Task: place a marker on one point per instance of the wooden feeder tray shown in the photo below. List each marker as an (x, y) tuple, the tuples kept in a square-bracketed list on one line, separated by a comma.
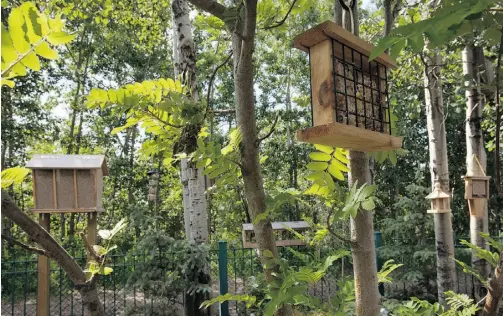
[(348, 136), (276, 227)]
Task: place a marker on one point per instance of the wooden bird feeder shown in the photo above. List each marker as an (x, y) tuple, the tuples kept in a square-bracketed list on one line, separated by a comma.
[(440, 201), (67, 183), (476, 187), (349, 93), (284, 237)]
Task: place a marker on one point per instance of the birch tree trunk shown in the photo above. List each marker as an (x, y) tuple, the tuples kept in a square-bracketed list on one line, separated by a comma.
[(446, 269), (362, 226), (195, 211), (194, 202), (476, 160)]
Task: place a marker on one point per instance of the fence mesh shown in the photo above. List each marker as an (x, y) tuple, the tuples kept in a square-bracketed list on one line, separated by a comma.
[(121, 297)]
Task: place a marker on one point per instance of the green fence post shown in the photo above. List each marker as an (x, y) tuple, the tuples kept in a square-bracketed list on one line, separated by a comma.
[(377, 244), (223, 275)]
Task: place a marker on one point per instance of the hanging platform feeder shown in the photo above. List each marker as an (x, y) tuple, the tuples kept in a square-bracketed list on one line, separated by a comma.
[(284, 237), (349, 93)]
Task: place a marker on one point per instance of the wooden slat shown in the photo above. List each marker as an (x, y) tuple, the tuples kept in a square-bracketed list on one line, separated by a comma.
[(281, 225), (43, 274), (33, 185), (329, 29), (279, 243), (322, 83), (75, 194), (350, 137), (71, 210), (54, 191)]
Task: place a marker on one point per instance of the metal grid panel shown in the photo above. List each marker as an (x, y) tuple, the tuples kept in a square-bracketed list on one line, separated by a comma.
[(361, 89)]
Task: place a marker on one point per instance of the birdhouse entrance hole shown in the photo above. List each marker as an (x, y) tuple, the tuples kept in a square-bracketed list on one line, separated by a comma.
[(349, 93)]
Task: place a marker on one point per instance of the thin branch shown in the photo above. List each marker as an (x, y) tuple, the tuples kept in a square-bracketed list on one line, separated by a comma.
[(89, 248), (210, 84), (223, 112), (273, 128), (331, 231), (154, 116), (24, 246), (284, 18)]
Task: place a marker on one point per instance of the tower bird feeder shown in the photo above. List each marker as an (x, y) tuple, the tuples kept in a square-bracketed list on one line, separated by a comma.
[(440, 201), (349, 93)]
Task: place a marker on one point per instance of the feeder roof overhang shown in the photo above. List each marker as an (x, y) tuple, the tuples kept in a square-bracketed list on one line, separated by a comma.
[(281, 225), (437, 193), (49, 161), (329, 29)]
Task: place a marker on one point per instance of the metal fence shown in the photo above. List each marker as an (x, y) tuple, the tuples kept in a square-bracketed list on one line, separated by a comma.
[(122, 297)]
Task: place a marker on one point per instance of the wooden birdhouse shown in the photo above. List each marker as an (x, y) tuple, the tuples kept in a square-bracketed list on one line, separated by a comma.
[(440, 201), (477, 187), (284, 237), (349, 93), (68, 183)]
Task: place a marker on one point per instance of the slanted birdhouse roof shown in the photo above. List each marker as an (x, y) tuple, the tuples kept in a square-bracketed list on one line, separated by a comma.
[(49, 161), (329, 29), (437, 193)]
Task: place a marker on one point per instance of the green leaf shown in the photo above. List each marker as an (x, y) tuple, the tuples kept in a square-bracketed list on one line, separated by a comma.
[(8, 83), (44, 50), (392, 157), (60, 38), (17, 34), (320, 156), (383, 44), (31, 61), (105, 234), (100, 250), (395, 50), (268, 254), (14, 175), (335, 172), (107, 271), (368, 205), (325, 149), (316, 175), (416, 43), (316, 166)]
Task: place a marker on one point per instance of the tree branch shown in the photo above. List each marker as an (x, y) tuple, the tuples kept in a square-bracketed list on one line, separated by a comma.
[(89, 248), (38, 234), (24, 246), (212, 7), (273, 128), (210, 84), (331, 231), (284, 18)]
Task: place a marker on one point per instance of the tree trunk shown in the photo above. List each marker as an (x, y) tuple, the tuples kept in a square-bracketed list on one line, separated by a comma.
[(476, 160), (495, 291), (56, 252), (363, 250), (362, 226), (194, 201), (446, 269)]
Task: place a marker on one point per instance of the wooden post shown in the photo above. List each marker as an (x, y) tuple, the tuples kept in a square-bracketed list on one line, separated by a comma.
[(92, 225), (43, 273)]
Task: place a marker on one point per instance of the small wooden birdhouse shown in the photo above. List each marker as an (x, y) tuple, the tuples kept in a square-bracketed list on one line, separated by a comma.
[(284, 237), (68, 183), (349, 93), (440, 201), (477, 187)]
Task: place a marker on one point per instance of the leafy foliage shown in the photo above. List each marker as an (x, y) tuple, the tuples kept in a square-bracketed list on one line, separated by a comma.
[(14, 175), (29, 34), (460, 305)]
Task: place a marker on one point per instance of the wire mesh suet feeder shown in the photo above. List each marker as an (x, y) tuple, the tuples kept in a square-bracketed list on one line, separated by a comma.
[(349, 93), (153, 185), (440, 201)]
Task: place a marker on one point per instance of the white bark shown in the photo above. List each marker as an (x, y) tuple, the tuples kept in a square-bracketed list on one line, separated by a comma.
[(476, 159), (194, 203), (446, 269)]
